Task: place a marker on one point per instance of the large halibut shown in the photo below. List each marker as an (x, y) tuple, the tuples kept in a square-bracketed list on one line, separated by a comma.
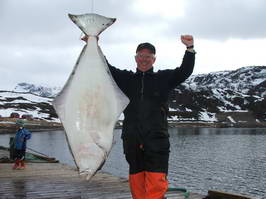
[(90, 102)]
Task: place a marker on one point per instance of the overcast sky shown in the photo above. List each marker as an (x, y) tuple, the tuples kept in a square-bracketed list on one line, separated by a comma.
[(39, 44)]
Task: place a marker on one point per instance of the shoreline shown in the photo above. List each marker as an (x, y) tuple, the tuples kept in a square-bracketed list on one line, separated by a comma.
[(9, 130), (41, 128), (198, 124)]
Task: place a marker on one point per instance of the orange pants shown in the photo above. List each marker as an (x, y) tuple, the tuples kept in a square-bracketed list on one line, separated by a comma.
[(148, 185)]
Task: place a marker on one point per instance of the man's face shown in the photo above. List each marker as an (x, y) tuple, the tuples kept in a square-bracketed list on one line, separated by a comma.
[(145, 60)]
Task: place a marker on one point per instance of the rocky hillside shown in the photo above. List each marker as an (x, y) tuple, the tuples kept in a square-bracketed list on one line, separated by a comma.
[(230, 97), (25, 103), (227, 98)]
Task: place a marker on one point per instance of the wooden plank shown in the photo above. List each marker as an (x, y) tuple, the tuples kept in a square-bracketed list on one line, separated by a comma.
[(54, 181), (212, 194)]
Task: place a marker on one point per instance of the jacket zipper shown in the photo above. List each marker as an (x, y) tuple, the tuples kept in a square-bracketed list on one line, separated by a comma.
[(142, 86)]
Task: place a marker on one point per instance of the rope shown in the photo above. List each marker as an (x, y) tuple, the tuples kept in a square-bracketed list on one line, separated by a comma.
[(185, 191), (92, 6)]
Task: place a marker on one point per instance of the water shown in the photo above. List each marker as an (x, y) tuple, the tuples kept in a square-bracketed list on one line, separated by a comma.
[(232, 160)]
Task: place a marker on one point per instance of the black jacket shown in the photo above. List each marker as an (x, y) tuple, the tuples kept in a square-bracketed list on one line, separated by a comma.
[(148, 93)]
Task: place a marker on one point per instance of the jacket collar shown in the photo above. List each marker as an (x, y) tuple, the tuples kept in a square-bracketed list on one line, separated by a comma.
[(150, 71)]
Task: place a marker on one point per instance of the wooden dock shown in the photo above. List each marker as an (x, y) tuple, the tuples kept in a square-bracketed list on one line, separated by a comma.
[(55, 180)]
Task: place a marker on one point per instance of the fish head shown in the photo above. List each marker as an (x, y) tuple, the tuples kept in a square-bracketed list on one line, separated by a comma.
[(92, 24)]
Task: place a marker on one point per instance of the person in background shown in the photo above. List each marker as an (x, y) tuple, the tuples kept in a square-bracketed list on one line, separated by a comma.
[(145, 127), (22, 135)]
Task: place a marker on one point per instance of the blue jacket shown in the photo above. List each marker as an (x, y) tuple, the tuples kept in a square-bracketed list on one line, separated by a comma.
[(22, 136)]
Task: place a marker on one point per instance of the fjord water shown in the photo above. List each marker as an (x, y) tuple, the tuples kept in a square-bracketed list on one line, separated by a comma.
[(229, 159)]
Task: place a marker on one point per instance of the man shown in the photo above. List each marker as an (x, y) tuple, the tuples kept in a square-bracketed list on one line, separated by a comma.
[(145, 135), (22, 135)]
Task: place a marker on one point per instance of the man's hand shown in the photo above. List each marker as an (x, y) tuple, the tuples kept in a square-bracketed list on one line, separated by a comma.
[(85, 38), (187, 40)]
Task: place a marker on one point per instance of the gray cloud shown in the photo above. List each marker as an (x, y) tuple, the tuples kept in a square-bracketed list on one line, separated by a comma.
[(224, 19), (39, 41)]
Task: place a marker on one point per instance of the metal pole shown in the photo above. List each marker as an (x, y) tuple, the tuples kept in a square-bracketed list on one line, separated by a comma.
[(38, 152)]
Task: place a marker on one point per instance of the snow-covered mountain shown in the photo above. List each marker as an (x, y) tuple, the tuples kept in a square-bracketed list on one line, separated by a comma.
[(229, 98), (247, 80), (40, 90), (27, 103)]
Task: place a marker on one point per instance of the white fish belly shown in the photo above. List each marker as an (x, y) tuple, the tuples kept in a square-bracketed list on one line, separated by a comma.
[(89, 106)]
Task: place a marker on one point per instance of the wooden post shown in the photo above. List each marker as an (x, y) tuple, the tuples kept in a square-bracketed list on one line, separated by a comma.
[(12, 148)]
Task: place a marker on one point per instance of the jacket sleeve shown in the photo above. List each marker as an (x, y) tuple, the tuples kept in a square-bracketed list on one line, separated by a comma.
[(27, 134), (180, 74), (121, 77)]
